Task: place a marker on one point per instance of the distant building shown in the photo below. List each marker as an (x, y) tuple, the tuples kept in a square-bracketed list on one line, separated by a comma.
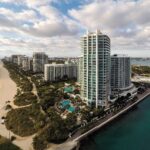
[(96, 68), (7, 59), (56, 72), (26, 66), (120, 73), (14, 59), (39, 60), (20, 58), (17, 59), (31, 64)]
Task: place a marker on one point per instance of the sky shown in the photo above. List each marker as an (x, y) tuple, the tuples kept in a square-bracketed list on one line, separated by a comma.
[(55, 26)]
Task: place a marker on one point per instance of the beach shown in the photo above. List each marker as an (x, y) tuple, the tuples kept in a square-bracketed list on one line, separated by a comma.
[(8, 90)]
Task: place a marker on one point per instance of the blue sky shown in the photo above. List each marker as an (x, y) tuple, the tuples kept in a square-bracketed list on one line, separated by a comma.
[(55, 26)]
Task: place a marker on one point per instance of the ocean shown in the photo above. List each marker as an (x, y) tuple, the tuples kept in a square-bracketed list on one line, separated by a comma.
[(141, 62)]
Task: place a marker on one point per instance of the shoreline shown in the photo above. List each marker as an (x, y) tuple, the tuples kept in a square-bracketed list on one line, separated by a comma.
[(79, 139), (110, 119), (8, 90), (6, 86)]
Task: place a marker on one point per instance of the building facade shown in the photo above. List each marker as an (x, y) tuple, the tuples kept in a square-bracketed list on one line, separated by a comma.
[(20, 59), (96, 68), (80, 69), (120, 73), (39, 60), (14, 59), (56, 72), (17, 59), (26, 64)]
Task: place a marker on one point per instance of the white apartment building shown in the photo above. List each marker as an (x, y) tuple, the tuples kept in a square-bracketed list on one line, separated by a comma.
[(96, 68), (56, 72)]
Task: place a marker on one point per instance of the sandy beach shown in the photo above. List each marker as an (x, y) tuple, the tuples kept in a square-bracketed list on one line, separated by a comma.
[(8, 90), (7, 87)]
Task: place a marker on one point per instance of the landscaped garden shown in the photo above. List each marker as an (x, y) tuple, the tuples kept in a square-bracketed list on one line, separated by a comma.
[(25, 121), (23, 99)]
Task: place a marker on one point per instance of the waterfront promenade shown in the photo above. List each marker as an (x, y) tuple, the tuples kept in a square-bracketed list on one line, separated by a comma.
[(111, 117)]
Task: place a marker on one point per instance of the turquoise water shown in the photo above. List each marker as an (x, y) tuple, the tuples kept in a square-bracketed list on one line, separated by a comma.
[(130, 132), (66, 104), (71, 109), (69, 89)]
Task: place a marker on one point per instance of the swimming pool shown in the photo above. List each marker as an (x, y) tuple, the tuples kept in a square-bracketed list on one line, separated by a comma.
[(69, 89), (66, 104), (71, 109)]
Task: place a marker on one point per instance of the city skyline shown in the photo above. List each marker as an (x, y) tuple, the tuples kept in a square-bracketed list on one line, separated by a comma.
[(55, 27)]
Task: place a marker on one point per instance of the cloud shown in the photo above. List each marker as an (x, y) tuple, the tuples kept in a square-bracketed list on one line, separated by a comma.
[(37, 3), (53, 23), (42, 28), (39, 25), (46, 21), (24, 15), (126, 22)]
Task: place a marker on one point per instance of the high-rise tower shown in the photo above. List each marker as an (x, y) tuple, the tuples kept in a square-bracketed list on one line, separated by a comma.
[(96, 68), (120, 73)]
